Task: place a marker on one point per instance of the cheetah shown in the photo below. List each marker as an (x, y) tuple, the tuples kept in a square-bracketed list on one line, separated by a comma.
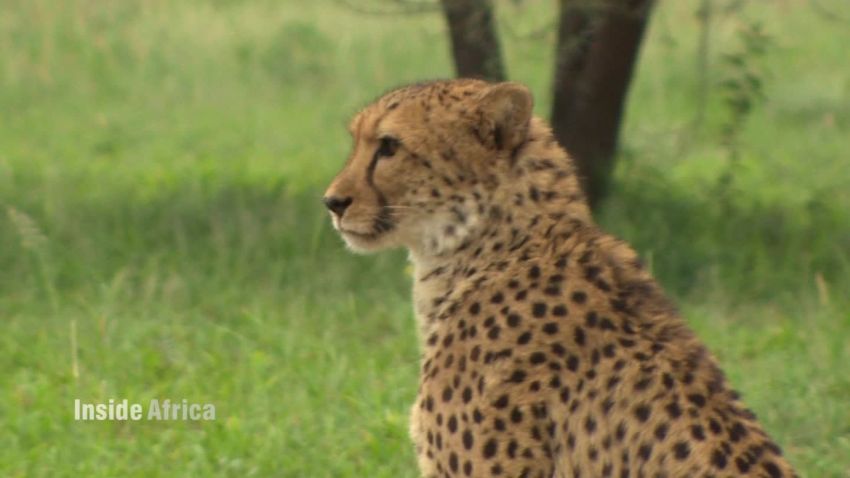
[(547, 350)]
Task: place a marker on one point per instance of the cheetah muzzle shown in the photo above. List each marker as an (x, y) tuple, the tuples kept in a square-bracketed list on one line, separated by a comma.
[(547, 350)]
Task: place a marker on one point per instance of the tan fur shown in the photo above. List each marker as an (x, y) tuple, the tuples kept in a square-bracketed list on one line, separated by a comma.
[(547, 351)]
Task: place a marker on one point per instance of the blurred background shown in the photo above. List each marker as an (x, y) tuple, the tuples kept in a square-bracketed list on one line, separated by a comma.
[(162, 236)]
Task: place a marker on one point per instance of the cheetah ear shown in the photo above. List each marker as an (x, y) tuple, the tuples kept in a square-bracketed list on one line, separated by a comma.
[(506, 110)]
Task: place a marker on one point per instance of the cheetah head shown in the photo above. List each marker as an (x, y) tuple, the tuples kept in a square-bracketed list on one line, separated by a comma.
[(424, 162)]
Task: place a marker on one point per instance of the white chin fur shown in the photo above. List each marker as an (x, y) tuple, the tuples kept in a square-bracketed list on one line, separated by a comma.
[(436, 240), (367, 245), (360, 245)]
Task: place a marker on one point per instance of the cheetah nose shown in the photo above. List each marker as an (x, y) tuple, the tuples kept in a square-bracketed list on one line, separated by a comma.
[(337, 205)]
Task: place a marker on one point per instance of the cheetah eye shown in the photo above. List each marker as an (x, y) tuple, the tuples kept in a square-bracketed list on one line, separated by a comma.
[(388, 147)]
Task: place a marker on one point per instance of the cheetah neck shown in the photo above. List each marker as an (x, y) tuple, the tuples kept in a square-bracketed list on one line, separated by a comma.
[(537, 200)]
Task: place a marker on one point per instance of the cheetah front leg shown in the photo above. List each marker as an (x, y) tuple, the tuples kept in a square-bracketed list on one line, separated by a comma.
[(427, 468)]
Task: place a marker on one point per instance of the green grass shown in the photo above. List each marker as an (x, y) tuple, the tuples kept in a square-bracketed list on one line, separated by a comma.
[(160, 170)]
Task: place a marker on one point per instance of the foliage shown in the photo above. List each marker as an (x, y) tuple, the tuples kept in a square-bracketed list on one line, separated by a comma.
[(742, 87)]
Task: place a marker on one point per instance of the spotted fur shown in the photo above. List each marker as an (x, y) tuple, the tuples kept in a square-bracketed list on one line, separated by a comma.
[(547, 350)]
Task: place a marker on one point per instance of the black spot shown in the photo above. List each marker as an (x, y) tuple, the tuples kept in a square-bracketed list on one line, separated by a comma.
[(513, 320), (516, 415), (559, 310), (475, 308), (493, 334), (467, 439), (550, 328), (449, 360), (533, 193), (620, 434), (453, 461), (452, 424), (661, 431), (498, 424), (534, 272), (497, 298), (714, 426), (697, 399), (673, 410), (773, 447), (537, 358), (626, 342), (607, 405), (578, 336), (572, 363), (538, 309), (645, 451), (737, 432), (643, 383), (447, 394), (698, 432), (448, 340), (517, 377), (681, 450), (590, 272), (467, 395), (602, 285), (718, 459), (524, 338), (571, 441), (742, 464), (590, 424), (490, 448), (642, 412), (771, 469), (511, 449), (579, 297), (501, 402)]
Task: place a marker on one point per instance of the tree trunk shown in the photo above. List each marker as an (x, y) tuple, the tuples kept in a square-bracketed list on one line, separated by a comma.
[(598, 43), (475, 43)]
